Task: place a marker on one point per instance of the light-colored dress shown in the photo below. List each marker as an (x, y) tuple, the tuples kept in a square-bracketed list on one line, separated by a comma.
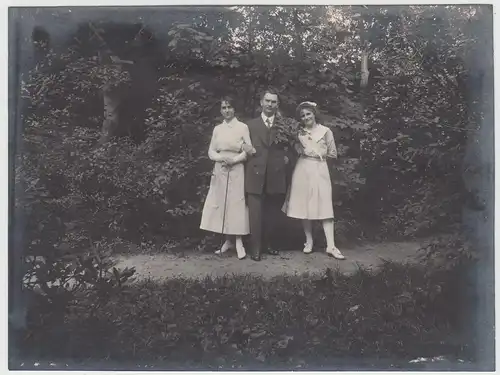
[(310, 193), (225, 203)]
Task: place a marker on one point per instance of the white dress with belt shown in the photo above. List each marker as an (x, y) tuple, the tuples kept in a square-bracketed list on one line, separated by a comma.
[(220, 208), (310, 193)]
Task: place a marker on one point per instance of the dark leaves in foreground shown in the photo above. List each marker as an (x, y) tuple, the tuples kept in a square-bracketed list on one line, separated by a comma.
[(396, 312)]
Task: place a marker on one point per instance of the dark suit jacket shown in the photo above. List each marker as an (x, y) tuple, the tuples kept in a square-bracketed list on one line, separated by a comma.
[(267, 168)]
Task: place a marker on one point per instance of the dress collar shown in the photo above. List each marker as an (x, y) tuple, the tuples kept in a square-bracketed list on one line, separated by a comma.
[(231, 123), (317, 133)]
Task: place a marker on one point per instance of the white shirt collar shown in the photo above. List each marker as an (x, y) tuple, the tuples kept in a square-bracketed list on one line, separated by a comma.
[(264, 118), (232, 122)]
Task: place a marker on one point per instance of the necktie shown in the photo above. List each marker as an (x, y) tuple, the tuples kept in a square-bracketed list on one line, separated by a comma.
[(268, 122)]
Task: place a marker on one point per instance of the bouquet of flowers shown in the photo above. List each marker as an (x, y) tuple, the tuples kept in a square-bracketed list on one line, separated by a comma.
[(285, 131)]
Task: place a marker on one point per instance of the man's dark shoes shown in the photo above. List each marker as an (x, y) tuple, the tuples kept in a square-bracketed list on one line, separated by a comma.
[(255, 257), (272, 252)]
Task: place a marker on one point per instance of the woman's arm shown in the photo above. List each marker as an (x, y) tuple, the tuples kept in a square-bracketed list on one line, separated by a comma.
[(331, 149), (247, 146), (213, 154), (297, 145), (247, 149), (240, 158)]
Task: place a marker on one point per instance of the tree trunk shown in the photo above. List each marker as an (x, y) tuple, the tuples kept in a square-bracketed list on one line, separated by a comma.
[(251, 31), (365, 73), (110, 123), (364, 39), (299, 47), (111, 100)]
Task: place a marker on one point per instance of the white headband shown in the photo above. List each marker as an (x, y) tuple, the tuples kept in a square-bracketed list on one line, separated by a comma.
[(312, 104)]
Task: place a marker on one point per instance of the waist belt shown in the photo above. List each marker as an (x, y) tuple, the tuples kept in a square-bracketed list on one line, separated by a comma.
[(312, 158)]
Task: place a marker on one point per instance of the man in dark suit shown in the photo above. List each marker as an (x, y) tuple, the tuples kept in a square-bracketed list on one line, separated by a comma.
[(266, 174)]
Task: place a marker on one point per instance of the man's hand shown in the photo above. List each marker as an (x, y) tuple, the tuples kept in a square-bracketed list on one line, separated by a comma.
[(248, 149)]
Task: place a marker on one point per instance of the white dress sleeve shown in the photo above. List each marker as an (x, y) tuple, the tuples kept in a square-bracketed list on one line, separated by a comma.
[(213, 153), (331, 149)]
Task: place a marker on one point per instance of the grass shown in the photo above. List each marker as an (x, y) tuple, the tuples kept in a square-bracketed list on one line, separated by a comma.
[(244, 322)]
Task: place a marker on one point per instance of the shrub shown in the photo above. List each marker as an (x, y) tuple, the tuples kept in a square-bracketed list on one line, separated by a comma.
[(395, 312)]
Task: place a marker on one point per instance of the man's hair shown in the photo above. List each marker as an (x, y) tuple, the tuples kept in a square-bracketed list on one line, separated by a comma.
[(271, 91)]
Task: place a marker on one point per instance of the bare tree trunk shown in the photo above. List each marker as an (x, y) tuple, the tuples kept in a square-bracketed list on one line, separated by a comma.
[(110, 123), (112, 99), (365, 73), (251, 41), (299, 47), (251, 31)]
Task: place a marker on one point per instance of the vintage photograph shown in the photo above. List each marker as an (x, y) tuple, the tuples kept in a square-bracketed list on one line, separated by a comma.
[(231, 188)]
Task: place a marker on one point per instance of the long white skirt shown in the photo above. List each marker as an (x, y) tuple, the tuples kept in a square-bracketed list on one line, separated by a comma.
[(227, 214), (310, 193)]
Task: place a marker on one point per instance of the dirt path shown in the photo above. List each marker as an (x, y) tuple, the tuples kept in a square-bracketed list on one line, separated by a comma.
[(195, 265)]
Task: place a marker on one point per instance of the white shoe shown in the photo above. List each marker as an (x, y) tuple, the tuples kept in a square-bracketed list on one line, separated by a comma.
[(240, 250), (334, 252), (308, 248), (225, 247)]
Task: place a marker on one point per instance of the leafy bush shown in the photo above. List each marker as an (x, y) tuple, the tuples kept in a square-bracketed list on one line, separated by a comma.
[(73, 281), (406, 176), (150, 191), (395, 312), (401, 144), (449, 252), (399, 171), (420, 107)]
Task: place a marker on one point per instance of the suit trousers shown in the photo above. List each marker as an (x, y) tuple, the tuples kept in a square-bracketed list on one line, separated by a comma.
[(263, 209)]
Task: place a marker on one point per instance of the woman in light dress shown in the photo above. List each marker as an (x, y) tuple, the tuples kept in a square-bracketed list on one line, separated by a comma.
[(225, 209), (310, 194)]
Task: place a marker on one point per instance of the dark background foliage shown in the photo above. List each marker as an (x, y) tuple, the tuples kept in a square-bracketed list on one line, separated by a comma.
[(111, 157), (402, 139)]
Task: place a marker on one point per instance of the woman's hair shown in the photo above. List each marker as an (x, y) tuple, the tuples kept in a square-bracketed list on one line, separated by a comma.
[(311, 106), (228, 99)]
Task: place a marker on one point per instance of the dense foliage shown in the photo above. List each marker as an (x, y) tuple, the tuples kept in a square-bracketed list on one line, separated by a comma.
[(243, 322), (401, 140), (420, 113), (113, 156)]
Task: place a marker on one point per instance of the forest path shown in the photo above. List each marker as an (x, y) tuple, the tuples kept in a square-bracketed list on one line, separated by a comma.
[(199, 265)]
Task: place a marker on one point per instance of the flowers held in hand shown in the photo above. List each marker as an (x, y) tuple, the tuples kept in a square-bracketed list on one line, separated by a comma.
[(284, 130)]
